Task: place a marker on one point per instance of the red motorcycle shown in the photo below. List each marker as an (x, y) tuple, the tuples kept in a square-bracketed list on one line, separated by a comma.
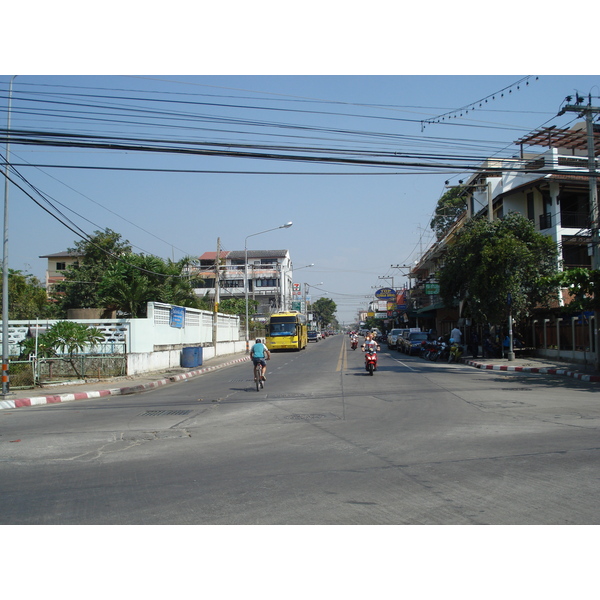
[(354, 344), (371, 360)]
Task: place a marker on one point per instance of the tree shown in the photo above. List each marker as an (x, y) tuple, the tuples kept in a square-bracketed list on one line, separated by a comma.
[(63, 337), (97, 255), (492, 262), (129, 284), (583, 286), (449, 208), (27, 297), (323, 310), (110, 275)]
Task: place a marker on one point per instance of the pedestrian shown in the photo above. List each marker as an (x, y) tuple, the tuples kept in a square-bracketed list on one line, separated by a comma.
[(456, 335), (474, 344)]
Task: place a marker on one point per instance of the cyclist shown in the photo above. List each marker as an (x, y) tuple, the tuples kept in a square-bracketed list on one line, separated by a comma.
[(258, 353)]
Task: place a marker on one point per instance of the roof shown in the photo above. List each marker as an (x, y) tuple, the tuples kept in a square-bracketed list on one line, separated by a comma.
[(64, 254), (213, 255), (241, 254), (257, 253), (555, 137)]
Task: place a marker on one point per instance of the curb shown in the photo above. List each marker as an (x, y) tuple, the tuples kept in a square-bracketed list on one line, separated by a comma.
[(543, 370), (123, 391)]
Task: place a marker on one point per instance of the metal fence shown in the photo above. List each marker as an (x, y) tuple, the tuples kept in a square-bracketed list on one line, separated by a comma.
[(26, 374)]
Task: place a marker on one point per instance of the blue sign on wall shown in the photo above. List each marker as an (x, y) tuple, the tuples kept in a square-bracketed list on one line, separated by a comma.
[(177, 318)]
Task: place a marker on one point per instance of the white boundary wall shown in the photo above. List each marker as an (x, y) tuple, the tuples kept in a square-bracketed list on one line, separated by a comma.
[(153, 343)]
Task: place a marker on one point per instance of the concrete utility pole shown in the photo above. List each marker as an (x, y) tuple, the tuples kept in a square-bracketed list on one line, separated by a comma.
[(588, 112), (5, 307), (217, 295)]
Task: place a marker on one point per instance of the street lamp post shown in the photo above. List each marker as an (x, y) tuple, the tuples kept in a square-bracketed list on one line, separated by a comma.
[(289, 224)]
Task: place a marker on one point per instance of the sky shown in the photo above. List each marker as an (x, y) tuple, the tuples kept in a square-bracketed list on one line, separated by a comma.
[(354, 221)]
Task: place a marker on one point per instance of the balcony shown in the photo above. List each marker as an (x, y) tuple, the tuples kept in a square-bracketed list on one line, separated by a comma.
[(574, 220)]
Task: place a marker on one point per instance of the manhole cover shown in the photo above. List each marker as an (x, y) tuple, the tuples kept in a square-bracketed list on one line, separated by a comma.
[(163, 413), (309, 417)]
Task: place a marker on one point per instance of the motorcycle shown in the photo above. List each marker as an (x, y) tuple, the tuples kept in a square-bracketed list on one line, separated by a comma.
[(354, 344), (371, 360), (456, 351)]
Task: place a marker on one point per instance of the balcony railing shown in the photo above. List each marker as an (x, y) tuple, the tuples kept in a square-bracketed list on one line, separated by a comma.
[(545, 221), (575, 220)]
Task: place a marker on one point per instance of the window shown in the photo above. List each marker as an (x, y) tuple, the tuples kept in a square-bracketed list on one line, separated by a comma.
[(268, 261), (267, 282), (232, 283), (530, 207), (61, 266)]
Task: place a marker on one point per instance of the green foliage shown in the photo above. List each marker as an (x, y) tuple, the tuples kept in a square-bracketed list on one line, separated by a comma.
[(449, 208), (489, 261), (80, 288), (129, 285), (63, 337), (110, 275), (323, 310), (583, 286), (27, 297)]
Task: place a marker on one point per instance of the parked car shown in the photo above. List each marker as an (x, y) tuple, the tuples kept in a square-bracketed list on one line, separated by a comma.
[(392, 337), (411, 341), (313, 336)]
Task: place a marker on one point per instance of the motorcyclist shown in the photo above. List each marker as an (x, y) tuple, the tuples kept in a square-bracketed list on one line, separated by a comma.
[(370, 344)]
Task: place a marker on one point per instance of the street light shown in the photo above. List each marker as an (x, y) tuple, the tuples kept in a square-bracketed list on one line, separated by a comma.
[(288, 224)]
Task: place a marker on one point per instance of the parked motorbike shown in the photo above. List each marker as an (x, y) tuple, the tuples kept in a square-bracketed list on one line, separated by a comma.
[(442, 351), (456, 351), (430, 350)]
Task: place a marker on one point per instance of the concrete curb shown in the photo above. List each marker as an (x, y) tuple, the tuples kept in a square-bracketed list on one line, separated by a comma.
[(543, 370), (122, 391)]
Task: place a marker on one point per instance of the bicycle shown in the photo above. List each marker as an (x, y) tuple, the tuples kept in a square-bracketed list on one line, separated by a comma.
[(258, 376)]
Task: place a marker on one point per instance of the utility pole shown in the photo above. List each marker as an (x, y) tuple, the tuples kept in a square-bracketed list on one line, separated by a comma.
[(588, 112), (5, 308), (217, 296)]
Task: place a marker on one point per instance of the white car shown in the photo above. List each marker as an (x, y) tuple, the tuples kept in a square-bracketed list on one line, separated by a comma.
[(392, 338)]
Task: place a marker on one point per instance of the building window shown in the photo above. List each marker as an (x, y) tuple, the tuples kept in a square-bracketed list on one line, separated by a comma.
[(61, 266), (232, 283), (268, 261), (530, 207), (267, 282)]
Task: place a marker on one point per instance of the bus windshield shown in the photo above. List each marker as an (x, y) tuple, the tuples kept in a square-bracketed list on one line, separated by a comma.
[(283, 328)]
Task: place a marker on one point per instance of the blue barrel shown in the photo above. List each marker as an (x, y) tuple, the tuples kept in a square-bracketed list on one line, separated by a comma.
[(199, 349), (189, 357)]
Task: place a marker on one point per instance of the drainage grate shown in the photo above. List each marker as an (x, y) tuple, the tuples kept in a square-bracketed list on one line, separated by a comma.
[(307, 417), (162, 413)]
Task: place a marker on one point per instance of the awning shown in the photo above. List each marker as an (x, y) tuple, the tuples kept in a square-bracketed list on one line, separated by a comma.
[(431, 308)]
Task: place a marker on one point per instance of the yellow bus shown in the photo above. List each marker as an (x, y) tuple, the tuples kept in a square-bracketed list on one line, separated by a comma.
[(287, 331)]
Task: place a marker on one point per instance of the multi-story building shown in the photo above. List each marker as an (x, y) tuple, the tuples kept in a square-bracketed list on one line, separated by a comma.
[(57, 265), (269, 277), (550, 188)]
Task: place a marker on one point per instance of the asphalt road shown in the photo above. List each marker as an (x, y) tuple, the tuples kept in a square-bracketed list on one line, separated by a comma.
[(323, 443)]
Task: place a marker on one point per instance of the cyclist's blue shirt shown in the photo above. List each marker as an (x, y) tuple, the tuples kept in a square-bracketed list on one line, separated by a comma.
[(258, 351)]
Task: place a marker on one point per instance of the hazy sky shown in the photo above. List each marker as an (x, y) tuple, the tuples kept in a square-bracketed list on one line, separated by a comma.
[(366, 172), (353, 221)]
